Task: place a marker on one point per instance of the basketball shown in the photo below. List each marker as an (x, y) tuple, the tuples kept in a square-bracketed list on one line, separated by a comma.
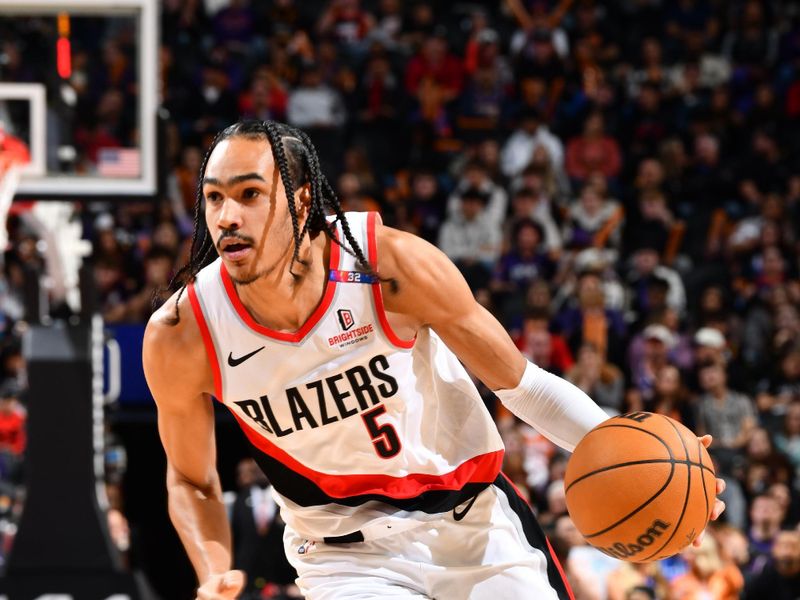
[(640, 487)]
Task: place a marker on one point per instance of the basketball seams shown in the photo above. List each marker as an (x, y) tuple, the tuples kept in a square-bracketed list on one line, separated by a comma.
[(686, 498), (649, 461), (650, 433), (638, 508)]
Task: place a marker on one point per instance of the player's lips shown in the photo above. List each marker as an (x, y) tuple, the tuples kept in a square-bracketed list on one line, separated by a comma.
[(236, 251), (234, 248)]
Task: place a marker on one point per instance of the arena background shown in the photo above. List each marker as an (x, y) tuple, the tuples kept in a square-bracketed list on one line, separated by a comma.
[(618, 181)]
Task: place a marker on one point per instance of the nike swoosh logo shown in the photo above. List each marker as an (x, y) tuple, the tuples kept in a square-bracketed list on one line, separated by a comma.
[(235, 362), (460, 515)]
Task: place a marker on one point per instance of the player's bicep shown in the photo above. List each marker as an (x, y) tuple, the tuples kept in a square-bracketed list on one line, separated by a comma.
[(441, 298), (185, 413)]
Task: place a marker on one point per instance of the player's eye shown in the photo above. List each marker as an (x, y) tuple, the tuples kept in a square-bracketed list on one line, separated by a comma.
[(213, 196), (250, 193)]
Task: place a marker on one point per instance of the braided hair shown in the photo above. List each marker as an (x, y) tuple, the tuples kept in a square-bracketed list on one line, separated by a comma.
[(298, 164)]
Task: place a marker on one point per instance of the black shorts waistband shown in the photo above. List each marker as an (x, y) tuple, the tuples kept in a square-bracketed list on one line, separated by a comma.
[(357, 536)]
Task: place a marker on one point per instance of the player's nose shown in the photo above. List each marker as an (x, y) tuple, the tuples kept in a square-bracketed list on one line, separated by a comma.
[(230, 215)]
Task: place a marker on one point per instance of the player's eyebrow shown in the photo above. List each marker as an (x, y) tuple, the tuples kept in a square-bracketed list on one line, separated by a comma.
[(234, 180)]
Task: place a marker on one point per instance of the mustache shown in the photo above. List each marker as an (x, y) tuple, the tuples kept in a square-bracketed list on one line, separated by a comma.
[(236, 236)]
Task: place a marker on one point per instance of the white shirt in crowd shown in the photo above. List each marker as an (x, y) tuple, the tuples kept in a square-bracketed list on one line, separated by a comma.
[(478, 239), (318, 106), (518, 150)]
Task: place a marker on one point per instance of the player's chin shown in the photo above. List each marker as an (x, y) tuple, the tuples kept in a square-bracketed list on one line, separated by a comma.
[(241, 269)]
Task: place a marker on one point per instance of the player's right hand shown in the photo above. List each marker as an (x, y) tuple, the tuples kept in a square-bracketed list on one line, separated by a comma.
[(224, 586)]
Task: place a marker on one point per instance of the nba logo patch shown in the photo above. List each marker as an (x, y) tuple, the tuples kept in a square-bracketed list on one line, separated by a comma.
[(345, 318)]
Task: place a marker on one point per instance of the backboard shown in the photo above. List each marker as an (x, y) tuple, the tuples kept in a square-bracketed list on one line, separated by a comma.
[(79, 85)]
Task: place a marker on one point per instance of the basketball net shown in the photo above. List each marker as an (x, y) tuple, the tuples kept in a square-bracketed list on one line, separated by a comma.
[(64, 248), (9, 180)]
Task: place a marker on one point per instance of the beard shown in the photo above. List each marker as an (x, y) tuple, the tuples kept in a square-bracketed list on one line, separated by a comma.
[(252, 278)]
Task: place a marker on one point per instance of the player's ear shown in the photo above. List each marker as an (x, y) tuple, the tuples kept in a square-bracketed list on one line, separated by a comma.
[(303, 195)]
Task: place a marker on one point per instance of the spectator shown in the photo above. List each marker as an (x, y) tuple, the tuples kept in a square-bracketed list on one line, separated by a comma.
[(267, 98), (476, 176), (556, 504), (725, 414), (593, 221), (709, 575), (542, 347), (733, 545), (234, 25), (707, 186), (313, 104), (780, 580), (471, 239), (788, 440), (591, 321), (646, 364), (530, 133), (588, 566), (593, 151), (346, 21), (530, 203), (158, 267), (629, 576), (12, 431), (646, 277), (671, 398), (654, 225), (602, 381), (518, 268), (710, 346), (765, 525), (436, 65), (423, 212)]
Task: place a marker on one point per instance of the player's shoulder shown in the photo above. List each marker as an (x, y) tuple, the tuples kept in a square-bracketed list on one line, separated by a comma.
[(423, 283), (172, 336), (403, 253)]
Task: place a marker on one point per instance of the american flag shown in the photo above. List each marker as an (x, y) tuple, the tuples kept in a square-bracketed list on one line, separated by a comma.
[(118, 162)]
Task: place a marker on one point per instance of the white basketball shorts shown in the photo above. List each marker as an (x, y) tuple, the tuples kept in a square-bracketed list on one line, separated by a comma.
[(493, 549)]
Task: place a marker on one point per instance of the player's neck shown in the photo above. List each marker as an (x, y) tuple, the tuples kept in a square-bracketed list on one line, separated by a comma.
[(283, 301)]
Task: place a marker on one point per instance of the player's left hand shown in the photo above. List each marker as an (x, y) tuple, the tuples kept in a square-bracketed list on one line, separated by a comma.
[(719, 505)]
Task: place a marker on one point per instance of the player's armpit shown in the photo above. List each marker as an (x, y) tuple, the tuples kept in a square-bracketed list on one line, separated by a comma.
[(431, 291)]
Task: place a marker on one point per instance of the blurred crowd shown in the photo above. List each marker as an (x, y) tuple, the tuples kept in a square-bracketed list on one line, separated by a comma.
[(617, 181)]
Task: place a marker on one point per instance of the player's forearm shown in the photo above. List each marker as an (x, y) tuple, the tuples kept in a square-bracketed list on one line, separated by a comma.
[(557, 409), (200, 519)]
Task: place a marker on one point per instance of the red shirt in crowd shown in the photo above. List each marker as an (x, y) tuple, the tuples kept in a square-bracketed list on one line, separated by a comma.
[(12, 432)]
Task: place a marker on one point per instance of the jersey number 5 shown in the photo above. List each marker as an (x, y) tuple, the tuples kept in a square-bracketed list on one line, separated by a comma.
[(384, 437)]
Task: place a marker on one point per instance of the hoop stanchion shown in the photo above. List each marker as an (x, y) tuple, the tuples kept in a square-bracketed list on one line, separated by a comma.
[(62, 544)]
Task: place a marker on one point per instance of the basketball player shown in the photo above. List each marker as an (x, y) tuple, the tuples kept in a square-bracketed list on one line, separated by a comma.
[(337, 344)]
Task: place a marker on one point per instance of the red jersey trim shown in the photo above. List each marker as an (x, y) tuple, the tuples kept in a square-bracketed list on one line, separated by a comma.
[(211, 352), (377, 295), (549, 547), (296, 336), (480, 469)]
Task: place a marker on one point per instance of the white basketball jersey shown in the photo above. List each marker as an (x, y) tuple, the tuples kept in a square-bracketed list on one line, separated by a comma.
[(357, 429)]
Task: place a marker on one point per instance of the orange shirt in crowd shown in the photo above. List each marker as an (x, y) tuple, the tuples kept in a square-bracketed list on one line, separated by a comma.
[(724, 584)]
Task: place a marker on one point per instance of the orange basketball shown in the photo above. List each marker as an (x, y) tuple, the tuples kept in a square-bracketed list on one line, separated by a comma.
[(640, 487)]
